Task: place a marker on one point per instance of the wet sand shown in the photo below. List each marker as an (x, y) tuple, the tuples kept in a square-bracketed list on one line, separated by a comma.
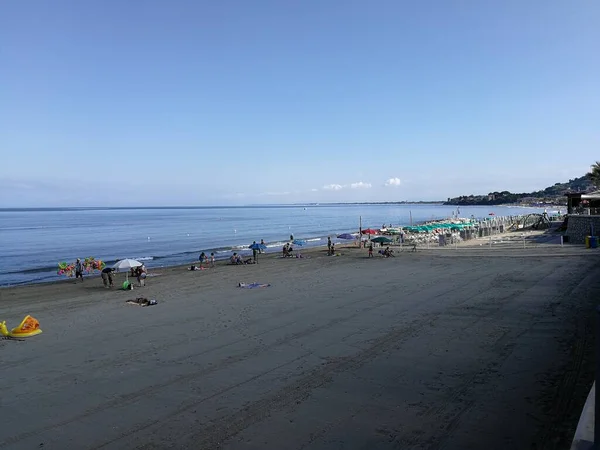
[(471, 348)]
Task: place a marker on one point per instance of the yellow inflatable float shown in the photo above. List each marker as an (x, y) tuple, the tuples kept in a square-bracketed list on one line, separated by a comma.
[(29, 327)]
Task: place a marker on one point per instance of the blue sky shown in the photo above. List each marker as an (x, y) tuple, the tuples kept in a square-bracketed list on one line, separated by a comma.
[(239, 102)]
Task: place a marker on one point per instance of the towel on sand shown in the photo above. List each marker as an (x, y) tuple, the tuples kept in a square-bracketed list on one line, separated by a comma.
[(142, 301), (253, 285)]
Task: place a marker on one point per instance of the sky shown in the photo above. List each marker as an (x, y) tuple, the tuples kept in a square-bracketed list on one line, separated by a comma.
[(193, 102)]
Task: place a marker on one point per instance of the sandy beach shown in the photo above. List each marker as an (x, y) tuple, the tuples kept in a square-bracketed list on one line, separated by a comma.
[(455, 348)]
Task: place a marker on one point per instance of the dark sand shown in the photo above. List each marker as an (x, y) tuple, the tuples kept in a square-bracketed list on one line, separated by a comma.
[(460, 349)]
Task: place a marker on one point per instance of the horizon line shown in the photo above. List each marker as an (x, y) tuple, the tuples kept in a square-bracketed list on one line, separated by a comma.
[(252, 205)]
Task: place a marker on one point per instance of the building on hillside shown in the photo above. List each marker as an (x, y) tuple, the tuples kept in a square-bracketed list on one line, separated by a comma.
[(583, 204), (583, 216)]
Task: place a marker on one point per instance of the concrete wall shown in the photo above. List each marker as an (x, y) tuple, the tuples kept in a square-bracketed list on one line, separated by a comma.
[(579, 227), (584, 435)]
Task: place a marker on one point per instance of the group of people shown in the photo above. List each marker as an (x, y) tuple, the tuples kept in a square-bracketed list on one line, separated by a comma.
[(139, 272), (208, 260), (205, 262), (330, 247), (387, 252), (288, 250), (237, 259)]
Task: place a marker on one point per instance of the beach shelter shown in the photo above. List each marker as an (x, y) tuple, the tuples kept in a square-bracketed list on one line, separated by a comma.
[(347, 236), (381, 240), (299, 242), (393, 231), (126, 264)]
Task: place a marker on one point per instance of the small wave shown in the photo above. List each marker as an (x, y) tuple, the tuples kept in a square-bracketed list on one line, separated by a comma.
[(30, 280), (33, 270), (276, 244), (144, 258), (314, 240), (40, 227)]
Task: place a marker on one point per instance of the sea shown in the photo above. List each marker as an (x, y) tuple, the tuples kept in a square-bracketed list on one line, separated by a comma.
[(33, 241)]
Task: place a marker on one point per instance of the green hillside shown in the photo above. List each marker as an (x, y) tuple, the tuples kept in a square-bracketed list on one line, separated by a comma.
[(551, 195)]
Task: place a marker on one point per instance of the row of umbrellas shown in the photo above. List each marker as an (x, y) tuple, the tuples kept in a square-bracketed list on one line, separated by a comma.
[(256, 246), (378, 239)]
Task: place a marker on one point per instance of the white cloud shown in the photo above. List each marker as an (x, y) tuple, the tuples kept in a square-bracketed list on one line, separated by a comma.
[(234, 196), (361, 185), (313, 190), (393, 182), (333, 187)]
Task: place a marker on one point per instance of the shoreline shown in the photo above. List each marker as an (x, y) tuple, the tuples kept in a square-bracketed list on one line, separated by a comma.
[(224, 252), (154, 271), (317, 251)]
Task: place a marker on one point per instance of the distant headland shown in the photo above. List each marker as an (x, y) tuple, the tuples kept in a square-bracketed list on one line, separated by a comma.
[(552, 195)]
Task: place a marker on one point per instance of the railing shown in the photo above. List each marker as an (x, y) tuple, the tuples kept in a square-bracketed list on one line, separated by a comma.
[(586, 211)]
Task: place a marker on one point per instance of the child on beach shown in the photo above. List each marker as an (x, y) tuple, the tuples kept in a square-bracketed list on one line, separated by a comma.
[(212, 260), (370, 250)]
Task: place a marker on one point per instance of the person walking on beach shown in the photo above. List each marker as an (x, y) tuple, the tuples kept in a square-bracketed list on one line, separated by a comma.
[(328, 244), (262, 245), (254, 251), (212, 260), (371, 250), (107, 278), (79, 270)]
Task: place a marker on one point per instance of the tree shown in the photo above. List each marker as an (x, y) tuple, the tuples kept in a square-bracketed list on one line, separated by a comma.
[(594, 174)]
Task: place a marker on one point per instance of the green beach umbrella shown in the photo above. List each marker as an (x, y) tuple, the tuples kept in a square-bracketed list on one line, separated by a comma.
[(381, 239)]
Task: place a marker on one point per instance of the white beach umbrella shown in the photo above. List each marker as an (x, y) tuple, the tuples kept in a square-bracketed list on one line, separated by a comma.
[(126, 264)]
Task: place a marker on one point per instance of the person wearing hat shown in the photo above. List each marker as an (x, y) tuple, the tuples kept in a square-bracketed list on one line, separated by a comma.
[(79, 269)]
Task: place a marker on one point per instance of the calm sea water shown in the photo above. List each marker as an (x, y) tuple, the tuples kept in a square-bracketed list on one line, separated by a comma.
[(33, 241)]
